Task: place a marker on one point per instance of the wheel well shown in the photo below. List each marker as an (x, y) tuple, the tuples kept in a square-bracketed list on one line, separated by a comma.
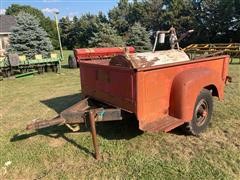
[(213, 90)]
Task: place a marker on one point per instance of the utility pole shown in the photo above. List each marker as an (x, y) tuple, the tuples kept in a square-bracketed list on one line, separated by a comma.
[(59, 37)]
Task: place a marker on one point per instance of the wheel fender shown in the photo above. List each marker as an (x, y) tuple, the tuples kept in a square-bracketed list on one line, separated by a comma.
[(185, 89)]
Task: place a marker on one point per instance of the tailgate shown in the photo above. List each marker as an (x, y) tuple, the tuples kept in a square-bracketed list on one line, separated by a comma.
[(113, 85)]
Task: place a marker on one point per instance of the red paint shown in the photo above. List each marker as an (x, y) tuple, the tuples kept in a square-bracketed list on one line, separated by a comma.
[(95, 53), (154, 93)]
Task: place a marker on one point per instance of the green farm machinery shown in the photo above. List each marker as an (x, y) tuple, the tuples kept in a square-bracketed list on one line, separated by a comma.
[(13, 64)]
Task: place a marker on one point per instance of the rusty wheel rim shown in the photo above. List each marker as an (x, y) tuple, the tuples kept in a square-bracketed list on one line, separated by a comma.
[(201, 112)]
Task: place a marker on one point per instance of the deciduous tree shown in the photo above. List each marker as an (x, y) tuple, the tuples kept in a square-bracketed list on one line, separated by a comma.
[(106, 37)]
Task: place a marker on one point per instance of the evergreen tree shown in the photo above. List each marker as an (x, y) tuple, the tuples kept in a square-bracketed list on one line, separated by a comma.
[(28, 37), (45, 22), (106, 37), (139, 38)]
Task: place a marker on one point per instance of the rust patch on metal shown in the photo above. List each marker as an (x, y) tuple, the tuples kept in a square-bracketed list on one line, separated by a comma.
[(148, 59)]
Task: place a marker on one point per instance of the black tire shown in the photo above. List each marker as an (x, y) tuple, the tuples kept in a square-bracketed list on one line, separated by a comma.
[(39, 70), (23, 70), (201, 115), (54, 68), (7, 73), (47, 68), (72, 63)]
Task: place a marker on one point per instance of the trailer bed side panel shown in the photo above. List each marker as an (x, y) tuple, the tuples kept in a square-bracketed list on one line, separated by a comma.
[(115, 86), (154, 87)]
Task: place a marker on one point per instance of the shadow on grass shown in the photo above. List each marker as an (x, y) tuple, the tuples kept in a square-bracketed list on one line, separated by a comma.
[(66, 66), (52, 132), (179, 131), (235, 63), (61, 103), (115, 130)]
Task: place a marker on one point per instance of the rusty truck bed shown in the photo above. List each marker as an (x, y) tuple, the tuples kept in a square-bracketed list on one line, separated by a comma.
[(154, 92)]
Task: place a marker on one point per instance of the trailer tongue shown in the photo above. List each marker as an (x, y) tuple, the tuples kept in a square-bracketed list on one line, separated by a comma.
[(81, 112)]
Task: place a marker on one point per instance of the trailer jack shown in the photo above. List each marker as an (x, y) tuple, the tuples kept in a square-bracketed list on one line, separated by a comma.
[(81, 112), (92, 116)]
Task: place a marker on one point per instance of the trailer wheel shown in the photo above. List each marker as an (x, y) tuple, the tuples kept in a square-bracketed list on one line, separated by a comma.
[(201, 115)]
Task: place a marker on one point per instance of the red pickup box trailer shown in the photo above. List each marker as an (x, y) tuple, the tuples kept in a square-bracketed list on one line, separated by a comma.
[(162, 96), (166, 93)]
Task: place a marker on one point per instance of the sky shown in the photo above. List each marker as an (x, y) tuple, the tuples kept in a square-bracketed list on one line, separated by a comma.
[(65, 7)]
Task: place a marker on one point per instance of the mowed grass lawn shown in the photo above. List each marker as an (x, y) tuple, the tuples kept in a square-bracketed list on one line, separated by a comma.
[(126, 153)]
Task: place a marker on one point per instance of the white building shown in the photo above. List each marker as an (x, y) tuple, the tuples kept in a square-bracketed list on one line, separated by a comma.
[(6, 24)]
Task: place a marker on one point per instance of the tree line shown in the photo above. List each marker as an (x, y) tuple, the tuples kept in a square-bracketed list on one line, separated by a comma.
[(135, 23)]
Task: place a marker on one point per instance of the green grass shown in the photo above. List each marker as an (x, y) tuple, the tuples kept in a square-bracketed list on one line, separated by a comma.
[(126, 153)]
